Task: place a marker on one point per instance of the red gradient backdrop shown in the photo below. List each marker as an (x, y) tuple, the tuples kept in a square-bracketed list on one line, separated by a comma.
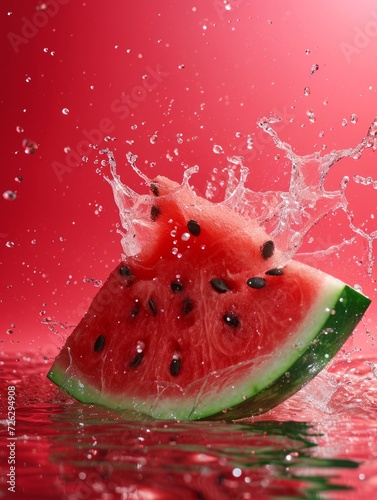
[(195, 73)]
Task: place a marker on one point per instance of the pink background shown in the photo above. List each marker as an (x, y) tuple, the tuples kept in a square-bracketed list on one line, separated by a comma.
[(213, 68)]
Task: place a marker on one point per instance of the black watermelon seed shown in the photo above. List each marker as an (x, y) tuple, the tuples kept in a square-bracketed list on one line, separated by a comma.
[(136, 360), (277, 271), (187, 305), (155, 212), (256, 282), (267, 249), (154, 189), (99, 343), (219, 285), (135, 310), (175, 366), (231, 320), (193, 227), (125, 271), (152, 306), (176, 286)]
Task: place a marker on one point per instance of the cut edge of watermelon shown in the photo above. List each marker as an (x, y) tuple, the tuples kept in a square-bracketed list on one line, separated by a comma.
[(251, 387)]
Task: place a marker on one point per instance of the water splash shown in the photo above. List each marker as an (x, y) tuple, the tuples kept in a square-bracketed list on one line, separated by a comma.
[(287, 216)]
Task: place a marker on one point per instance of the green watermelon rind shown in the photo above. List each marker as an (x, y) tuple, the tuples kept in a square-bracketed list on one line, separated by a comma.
[(344, 316), (266, 382)]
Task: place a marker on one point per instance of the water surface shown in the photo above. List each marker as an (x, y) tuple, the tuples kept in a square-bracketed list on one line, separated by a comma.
[(319, 444)]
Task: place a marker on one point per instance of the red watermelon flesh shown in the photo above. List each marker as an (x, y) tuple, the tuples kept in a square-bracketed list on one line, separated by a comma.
[(203, 318)]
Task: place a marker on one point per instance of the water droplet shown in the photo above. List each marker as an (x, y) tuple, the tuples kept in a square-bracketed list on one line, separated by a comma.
[(9, 195), (217, 149), (311, 115), (29, 146), (33, 242), (9, 244), (321, 133), (19, 129), (249, 143), (344, 122), (181, 66), (28, 79), (9, 332), (185, 236), (325, 102), (85, 159), (133, 127), (314, 69), (354, 118), (307, 52), (67, 149), (153, 138), (65, 111), (306, 91), (358, 288), (19, 178)]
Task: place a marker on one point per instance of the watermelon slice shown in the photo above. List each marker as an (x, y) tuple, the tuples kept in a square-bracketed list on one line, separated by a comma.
[(203, 318)]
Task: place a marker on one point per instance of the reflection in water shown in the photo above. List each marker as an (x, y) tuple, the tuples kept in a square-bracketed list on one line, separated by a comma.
[(72, 451)]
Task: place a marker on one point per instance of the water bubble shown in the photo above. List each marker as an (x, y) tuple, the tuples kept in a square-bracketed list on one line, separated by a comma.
[(9, 195), (306, 91), (354, 118), (236, 472), (217, 149)]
